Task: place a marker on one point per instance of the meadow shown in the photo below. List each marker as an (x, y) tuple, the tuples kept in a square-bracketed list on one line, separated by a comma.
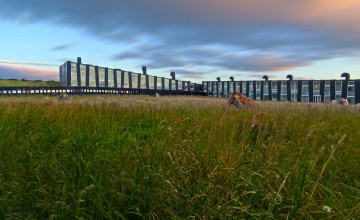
[(140, 157), (23, 82)]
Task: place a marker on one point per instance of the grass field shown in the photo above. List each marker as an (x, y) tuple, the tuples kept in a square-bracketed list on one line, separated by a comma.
[(4, 82), (122, 157)]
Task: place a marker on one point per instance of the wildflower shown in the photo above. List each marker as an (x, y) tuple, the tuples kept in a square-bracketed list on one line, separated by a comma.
[(327, 209)]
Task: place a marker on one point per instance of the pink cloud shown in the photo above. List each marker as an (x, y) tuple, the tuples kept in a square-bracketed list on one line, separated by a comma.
[(274, 63), (27, 72), (27, 63), (329, 14)]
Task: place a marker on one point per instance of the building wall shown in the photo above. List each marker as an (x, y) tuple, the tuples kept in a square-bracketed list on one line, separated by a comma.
[(285, 90), (85, 75)]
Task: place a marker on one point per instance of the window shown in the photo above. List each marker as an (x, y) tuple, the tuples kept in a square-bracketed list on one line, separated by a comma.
[(118, 78), (83, 75), (283, 90), (258, 90), (159, 83), (220, 89), (231, 87), (225, 89), (180, 86), (316, 88), (143, 81), (92, 76), (151, 82), (204, 86), (244, 87), (274, 90), (266, 90), (215, 89), (294, 90), (63, 77), (101, 77), (167, 83), (186, 86), (238, 86), (210, 87), (173, 85), (351, 92), (338, 90), (73, 75), (327, 91), (110, 78), (251, 93), (126, 80), (305, 92), (134, 80)]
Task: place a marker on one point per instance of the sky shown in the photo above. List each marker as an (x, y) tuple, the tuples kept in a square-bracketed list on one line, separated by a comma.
[(198, 39)]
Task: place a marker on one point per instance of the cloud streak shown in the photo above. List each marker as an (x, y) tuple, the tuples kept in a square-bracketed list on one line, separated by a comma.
[(31, 73), (27, 63), (126, 55), (62, 47)]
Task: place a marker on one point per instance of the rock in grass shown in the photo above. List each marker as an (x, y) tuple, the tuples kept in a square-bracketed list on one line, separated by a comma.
[(63, 97), (343, 102), (333, 102), (237, 100)]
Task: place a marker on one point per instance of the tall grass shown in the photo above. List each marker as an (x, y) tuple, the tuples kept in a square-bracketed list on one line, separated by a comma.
[(176, 157)]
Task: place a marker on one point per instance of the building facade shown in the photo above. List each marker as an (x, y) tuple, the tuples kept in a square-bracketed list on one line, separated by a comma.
[(288, 90), (86, 75), (76, 74)]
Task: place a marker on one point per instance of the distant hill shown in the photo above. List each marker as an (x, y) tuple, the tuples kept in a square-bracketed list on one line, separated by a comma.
[(23, 82)]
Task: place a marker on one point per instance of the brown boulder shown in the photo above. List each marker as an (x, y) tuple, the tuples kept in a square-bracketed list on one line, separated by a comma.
[(343, 102), (238, 100)]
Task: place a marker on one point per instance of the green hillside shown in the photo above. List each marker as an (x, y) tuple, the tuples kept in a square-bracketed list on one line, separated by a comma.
[(13, 82)]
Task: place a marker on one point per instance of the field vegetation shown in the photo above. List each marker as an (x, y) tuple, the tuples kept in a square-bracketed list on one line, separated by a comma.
[(140, 157), (24, 82)]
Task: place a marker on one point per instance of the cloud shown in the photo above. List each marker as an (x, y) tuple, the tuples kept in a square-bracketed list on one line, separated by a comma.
[(190, 72), (256, 76), (31, 73), (62, 47), (126, 55), (162, 60), (27, 63), (246, 35), (63, 60), (259, 63)]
